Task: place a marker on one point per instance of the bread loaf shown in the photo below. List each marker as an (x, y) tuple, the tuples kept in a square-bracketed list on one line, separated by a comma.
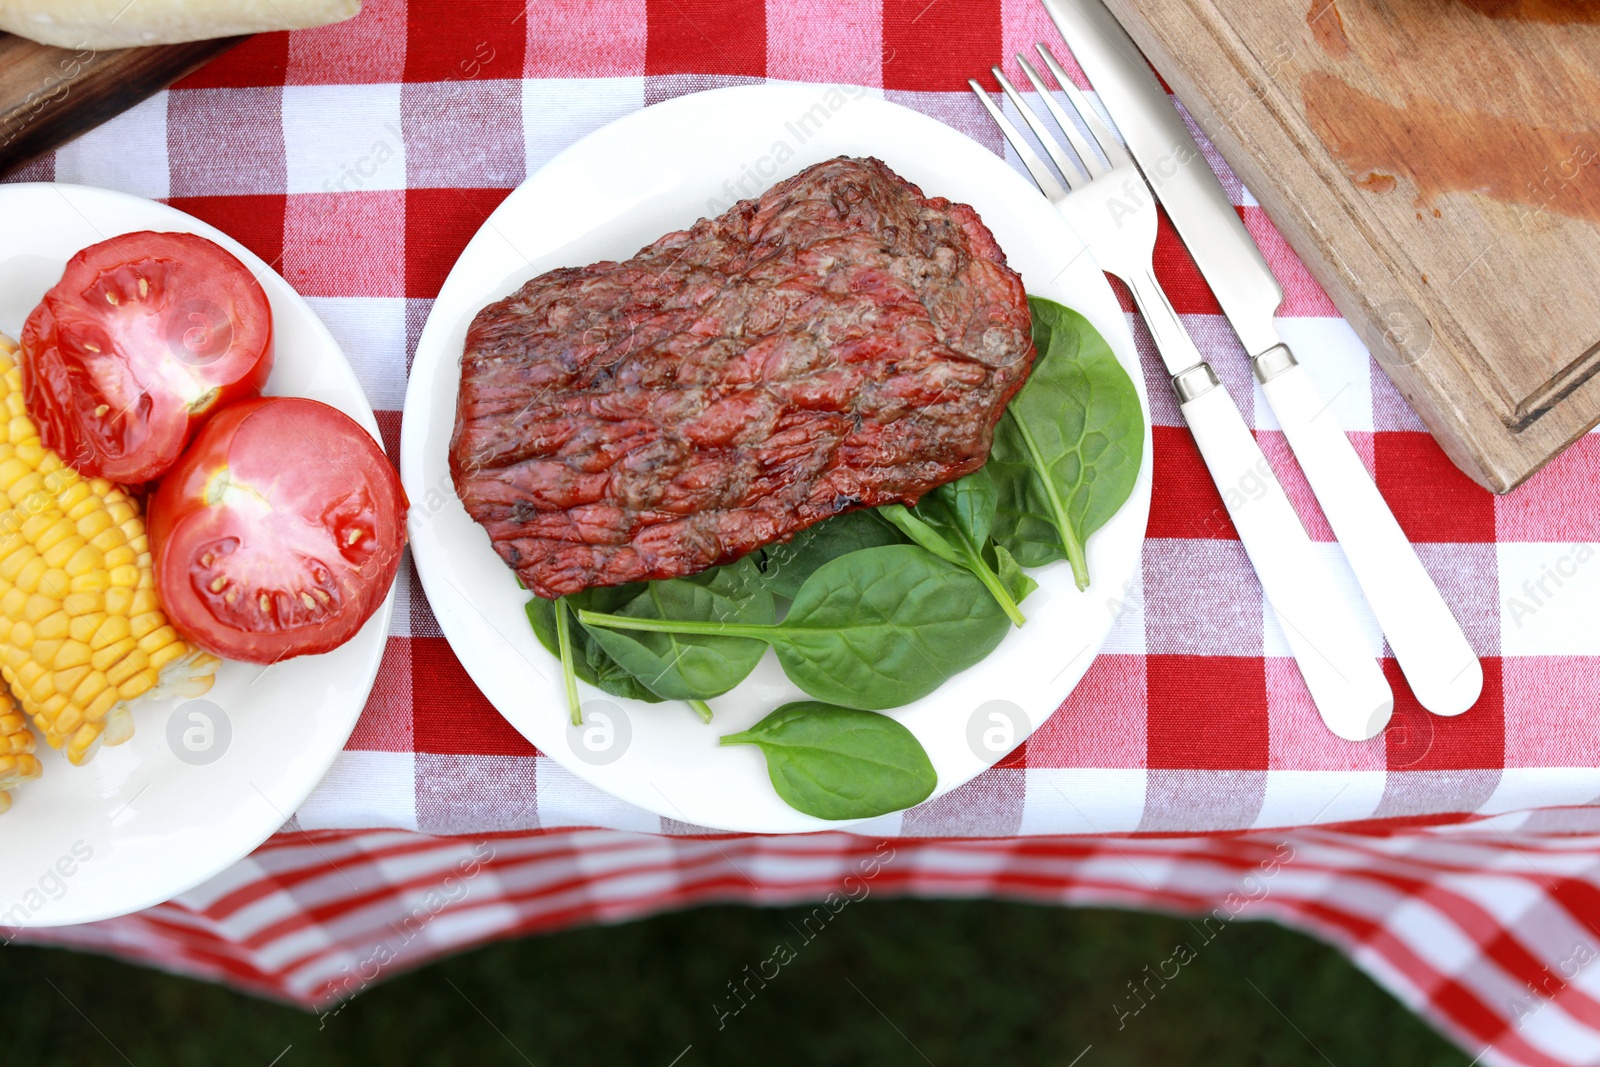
[(103, 25)]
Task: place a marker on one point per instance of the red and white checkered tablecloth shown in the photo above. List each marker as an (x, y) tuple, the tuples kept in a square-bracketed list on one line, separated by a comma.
[(1454, 859)]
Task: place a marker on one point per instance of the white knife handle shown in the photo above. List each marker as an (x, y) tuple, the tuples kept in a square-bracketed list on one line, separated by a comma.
[(1441, 667), (1345, 681)]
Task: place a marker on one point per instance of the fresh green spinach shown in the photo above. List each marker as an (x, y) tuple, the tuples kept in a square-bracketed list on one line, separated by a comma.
[(873, 629), (840, 763), (1067, 452), (785, 566), (694, 667), (953, 522), (1010, 572), (588, 660)]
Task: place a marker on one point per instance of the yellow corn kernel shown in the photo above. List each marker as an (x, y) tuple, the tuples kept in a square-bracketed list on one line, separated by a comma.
[(149, 622), (13, 563), (55, 582), (97, 581), (38, 607), (87, 558), (71, 654), (109, 630), (107, 657), (158, 639), (102, 704), (167, 653), (54, 626), (95, 523), (86, 603), (119, 601), (132, 662), (68, 680), (60, 554), (112, 541), (21, 492), (137, 686), (58, 531), (31, 575), (84, 627), (93, 684)]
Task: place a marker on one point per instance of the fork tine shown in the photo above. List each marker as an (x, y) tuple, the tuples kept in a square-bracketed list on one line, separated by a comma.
[(1037, 167), (1107, 141), (1069, 170), (1091, 162)]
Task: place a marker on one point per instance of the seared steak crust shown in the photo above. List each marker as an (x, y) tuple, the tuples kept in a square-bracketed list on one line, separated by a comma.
[(840, 342)]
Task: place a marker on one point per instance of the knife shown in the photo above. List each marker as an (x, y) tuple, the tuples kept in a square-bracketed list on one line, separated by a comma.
[(1425, 637)]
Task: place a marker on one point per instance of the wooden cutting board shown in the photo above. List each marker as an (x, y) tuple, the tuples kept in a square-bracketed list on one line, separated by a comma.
[(48, 96), (1436, 163)]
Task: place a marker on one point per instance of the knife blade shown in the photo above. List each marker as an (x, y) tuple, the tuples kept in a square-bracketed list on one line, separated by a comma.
[(1427, 641)]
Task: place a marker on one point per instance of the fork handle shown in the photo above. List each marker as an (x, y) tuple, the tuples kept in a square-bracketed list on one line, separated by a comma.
[(1349, 689), (1439, 664)]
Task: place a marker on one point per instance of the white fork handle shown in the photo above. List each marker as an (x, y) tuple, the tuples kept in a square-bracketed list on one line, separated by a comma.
[(1441, 667), (1350, 691)]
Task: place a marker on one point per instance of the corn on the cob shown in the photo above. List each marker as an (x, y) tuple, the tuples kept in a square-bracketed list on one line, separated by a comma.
[(17, 761), (82, 636)]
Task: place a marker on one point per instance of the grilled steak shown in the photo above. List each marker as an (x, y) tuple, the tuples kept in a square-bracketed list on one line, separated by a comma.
[(840, 342)]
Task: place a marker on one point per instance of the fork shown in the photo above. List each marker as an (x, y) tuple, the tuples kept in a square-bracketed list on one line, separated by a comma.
[(1112, 209)]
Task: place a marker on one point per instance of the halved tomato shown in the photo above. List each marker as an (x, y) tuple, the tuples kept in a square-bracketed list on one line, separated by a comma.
[(145, 336), (279, 531)]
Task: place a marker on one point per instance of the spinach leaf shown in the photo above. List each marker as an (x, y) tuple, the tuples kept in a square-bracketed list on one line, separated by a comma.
[(693, 667), (883, 627), (873, 629), (919, 532), (1011, 574), (953, 522), (1068, 450), (785, 566), (589, 660), (838, 763)]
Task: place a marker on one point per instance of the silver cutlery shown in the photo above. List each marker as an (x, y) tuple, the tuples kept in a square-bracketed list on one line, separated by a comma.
[(1113, 210), (1425, 637)]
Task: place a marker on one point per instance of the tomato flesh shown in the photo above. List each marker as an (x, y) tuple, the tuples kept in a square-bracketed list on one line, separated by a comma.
[(279, 531), (144, 338)]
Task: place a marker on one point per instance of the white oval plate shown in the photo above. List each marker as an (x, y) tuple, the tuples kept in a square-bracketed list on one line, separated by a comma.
[(618, 189), (138, 826)]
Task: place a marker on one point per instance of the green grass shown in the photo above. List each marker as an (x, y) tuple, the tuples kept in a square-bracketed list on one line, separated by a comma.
[(885, 983)]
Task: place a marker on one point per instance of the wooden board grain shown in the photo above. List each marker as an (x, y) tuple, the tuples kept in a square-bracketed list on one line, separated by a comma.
[(48, 96), (1436, 163)]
